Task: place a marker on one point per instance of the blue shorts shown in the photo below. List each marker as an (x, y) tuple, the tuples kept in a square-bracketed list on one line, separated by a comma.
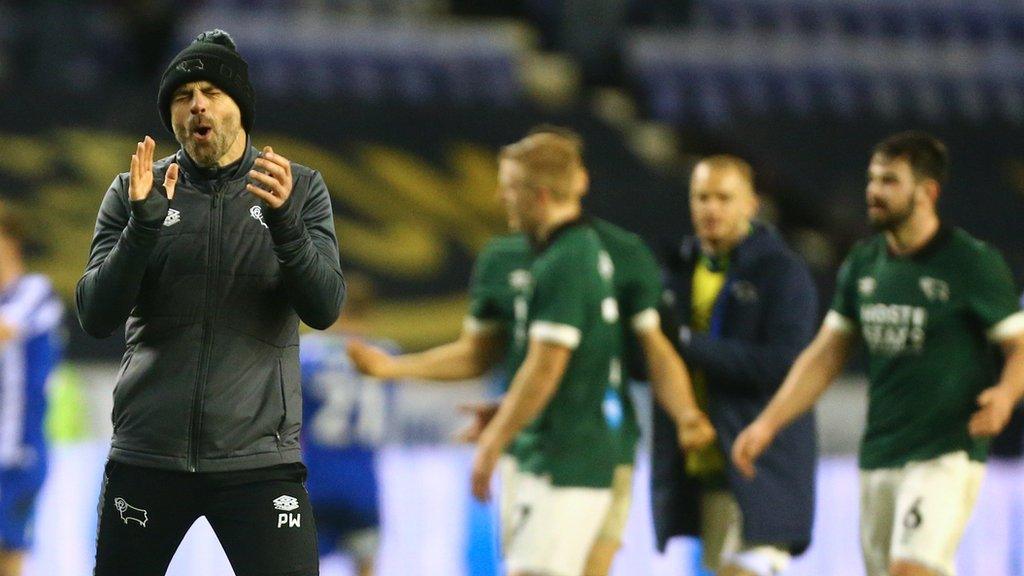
[(351, 530), (18, 490)]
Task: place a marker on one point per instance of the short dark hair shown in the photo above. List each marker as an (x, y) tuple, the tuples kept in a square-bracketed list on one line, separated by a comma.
[(926, 154)]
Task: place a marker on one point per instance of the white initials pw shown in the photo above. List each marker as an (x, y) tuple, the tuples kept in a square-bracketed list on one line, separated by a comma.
[(286, 518)]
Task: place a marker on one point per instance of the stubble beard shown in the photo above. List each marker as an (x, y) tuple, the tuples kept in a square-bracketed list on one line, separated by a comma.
[(893, 220), (206, 154)]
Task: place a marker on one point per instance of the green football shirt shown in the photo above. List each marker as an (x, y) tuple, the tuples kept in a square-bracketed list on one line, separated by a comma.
[(504, 262), (502, 266), (927, 322), (638, 288), (571, 303)]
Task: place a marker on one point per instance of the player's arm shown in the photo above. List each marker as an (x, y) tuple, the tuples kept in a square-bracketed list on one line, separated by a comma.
[(672, 388), (670, 382), (471, 356), (532, 388), (812, 373), (993, 300), (995, 404)]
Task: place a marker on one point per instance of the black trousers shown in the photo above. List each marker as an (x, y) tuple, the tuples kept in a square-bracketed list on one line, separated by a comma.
[(262, 517)]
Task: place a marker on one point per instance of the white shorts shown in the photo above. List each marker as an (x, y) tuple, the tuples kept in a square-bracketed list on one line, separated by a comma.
[(918, 512), (508, 472), (554, 527), (721, 533)]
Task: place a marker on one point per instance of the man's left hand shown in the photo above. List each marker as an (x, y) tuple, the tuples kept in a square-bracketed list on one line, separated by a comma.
[(272, 178), (995, 408)]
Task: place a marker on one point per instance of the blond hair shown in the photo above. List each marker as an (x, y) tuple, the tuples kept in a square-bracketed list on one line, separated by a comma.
[(551, 161)]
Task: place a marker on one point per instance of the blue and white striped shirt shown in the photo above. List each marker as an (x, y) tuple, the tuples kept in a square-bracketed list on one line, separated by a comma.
[(32, 309)]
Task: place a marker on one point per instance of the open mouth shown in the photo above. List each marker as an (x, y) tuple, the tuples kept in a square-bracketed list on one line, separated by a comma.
[(202, 132)]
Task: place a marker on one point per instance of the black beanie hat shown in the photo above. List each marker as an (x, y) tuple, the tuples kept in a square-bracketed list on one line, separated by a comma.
[(212, 57)]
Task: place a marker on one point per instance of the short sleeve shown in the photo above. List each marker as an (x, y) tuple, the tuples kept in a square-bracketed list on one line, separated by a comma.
[(992, 297), (641, 290), (560, 295), (842, 314), (486, 290)]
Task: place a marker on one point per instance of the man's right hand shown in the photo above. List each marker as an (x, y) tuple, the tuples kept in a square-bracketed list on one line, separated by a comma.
[(141, 173), (370, 360), (695, 430), (750, 444)]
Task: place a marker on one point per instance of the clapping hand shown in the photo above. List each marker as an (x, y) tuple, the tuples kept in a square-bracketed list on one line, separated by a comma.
[(141, 174), (272, 174)]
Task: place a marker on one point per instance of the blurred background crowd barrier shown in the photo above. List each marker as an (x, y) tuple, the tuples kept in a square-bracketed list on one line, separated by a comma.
[(402, 105)]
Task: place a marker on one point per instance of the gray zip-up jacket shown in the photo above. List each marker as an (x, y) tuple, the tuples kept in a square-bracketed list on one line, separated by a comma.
[(212, 286)]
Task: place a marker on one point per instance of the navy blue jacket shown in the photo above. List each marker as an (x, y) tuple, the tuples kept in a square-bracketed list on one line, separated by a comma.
[(764, 316)]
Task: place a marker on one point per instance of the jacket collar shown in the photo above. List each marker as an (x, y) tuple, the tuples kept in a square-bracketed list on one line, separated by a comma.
[(762, 238), (203, 176)]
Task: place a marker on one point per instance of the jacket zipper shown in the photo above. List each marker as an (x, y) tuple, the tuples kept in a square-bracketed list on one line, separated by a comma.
[(213, 274)]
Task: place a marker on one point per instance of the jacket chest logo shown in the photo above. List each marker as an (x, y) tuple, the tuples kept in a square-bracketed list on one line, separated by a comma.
[(257, 214), (745, 292), (173, 217)]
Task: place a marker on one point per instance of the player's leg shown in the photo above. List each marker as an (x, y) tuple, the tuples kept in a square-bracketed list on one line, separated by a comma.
[(329, 527), (877, 514), (609, 539), (722, 535), (19, 489), (264, 520), (733, 570), (934, 502), (719, 518), (343, 528), (11, 563), (144, 514), (910, 568), (361, 546), (354, 526), (555, 527)]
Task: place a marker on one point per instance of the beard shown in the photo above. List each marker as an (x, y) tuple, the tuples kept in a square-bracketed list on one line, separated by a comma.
[(206, 153), (892, 219)]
